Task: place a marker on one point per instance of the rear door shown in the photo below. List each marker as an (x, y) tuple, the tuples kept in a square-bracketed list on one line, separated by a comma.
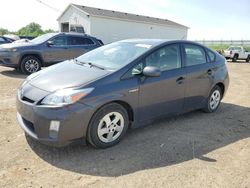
[(199, 75), (80, 45), (58, 51), (165, 94)]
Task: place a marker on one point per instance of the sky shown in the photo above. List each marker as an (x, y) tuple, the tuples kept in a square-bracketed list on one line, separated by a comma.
[(207, 20)]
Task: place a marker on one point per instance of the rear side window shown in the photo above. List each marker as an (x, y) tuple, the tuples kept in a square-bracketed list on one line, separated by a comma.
[(80, 41), (211, 56), (194, 55)]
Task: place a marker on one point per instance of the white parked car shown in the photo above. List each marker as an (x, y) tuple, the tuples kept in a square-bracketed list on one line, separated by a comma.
[(237, 52)]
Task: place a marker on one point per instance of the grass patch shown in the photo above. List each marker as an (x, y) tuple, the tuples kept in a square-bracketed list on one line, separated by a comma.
[(224, 47)]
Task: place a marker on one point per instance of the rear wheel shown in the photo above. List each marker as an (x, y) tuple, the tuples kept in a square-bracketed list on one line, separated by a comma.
[(214, 99), (235, 58), (108, 125), (248, 59), (30, 64)]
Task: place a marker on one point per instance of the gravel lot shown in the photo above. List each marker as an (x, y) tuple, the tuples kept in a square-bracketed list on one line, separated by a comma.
[(191, 150)]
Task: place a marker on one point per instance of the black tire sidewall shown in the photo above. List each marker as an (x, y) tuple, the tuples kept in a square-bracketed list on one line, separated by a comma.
[(25, 59), (92, 136), (208, 108), (235, 58), (248, 59)]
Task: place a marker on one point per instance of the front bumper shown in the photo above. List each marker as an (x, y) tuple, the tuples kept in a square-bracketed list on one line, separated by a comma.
[(9, 59), (36, 120)]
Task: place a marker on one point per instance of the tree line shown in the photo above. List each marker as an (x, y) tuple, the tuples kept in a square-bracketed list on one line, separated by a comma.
[(33, 29)]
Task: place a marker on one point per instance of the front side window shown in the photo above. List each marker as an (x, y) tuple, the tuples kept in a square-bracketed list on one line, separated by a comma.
[(60, 41), (166, 58), (194, 55), (80, 41)]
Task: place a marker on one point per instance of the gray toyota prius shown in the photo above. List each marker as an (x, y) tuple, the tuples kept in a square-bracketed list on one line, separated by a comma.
[(99, 95)]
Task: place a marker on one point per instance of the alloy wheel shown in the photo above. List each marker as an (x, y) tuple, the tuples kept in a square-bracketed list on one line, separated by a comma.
[(31, 66), (215, 99), (110, 127)]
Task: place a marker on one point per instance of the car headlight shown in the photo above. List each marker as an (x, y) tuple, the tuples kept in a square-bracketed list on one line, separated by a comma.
[(8, 49), (66, 96)]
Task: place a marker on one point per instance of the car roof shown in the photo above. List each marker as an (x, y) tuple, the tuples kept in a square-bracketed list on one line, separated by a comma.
[(75, 34), (156, 42)]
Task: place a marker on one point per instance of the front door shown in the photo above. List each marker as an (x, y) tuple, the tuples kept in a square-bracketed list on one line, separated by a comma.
[(165, 94), (58, 51)]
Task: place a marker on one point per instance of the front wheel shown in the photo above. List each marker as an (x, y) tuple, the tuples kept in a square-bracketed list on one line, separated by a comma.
[(214, 99), (108, 125), (30, 64)]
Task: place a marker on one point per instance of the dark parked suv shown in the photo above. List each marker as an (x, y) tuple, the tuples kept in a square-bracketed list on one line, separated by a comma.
[(5, 40), (46, 50)]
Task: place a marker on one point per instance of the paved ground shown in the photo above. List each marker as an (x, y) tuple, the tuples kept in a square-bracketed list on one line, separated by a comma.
[(192, 150)]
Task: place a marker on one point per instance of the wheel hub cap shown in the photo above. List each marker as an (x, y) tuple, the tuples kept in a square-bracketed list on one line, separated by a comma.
[(215, 99), (31, 66), (110, 127)]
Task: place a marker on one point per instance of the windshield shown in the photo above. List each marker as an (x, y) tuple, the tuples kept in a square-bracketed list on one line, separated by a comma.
[(115, 55), (43, 38)]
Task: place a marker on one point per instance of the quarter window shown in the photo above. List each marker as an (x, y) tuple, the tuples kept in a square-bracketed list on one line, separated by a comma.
[(166, 58), (211, 56), (194, 55), (80, 41)]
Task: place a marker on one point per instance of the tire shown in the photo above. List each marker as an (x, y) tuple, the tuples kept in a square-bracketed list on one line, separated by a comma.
[(30, 64), (248, 59), (103, 132), (213, 100), (235, 58)]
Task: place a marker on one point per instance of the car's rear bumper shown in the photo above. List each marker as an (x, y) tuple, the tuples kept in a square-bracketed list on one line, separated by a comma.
[(39, 122)]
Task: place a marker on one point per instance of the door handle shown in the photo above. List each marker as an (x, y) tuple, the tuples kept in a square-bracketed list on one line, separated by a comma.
[(209, 72), (180, 80)]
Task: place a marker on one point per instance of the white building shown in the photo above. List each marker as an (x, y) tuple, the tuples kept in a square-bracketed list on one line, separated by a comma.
[(110, 26)]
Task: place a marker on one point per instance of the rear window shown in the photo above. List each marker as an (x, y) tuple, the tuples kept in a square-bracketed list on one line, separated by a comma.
[(234, 48), (80, 41)]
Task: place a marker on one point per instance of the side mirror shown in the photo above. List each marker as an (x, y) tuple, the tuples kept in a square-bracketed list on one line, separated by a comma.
[(150, 71), (50, 43)]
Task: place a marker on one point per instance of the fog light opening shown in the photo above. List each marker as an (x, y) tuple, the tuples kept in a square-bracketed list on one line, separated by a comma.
[(54, 129)]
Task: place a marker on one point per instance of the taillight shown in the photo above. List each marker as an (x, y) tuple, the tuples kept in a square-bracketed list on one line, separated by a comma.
[(231, 52)]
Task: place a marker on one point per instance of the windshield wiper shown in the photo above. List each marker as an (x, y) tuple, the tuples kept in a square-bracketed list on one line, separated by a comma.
[(88, 63), (94, 65)]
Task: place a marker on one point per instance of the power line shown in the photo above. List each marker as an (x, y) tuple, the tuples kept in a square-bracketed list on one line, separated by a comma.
[(49, 6)]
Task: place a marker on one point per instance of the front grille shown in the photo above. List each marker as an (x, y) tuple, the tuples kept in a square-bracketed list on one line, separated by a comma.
[(28, 100), (29, 125)]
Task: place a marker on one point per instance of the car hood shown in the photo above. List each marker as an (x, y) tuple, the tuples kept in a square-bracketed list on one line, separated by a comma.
[(65, 75), (16, 45)]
